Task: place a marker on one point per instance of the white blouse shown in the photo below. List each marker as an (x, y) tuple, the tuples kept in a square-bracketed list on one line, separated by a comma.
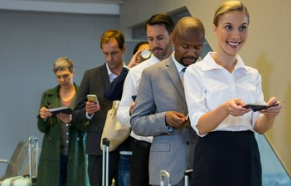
[(208, 85)]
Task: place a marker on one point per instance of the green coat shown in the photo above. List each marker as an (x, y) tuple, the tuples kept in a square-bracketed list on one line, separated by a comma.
[(49, 163)]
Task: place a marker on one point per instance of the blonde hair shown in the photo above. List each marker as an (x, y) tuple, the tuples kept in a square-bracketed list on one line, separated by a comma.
[(63, 63), (230, 6), (112, 34)]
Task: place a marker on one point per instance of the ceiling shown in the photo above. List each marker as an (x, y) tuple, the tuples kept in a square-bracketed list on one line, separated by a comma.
[(103, 7)]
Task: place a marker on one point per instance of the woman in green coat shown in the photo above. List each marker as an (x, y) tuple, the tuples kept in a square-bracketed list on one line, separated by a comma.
[(62, 160)]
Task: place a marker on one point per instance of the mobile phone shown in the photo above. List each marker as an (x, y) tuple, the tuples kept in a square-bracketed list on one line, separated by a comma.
[(92, 98), (133, 98), (257, 107)]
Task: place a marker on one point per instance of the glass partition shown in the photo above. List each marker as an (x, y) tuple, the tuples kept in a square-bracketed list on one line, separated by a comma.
[(274, 173)]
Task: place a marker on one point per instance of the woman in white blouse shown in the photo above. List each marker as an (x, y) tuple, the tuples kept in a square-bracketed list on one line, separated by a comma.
[(216, 90)]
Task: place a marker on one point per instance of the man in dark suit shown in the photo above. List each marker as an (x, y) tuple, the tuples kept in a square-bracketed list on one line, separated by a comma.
[(161, 109), (94, 82)]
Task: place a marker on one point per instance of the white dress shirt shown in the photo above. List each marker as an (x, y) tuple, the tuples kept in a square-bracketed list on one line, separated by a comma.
[(130, 88), (111, 75), (179, 67), (208, 85)]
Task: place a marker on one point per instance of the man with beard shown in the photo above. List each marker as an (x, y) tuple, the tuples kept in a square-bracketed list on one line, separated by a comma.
[(161, 109), (158, 28)]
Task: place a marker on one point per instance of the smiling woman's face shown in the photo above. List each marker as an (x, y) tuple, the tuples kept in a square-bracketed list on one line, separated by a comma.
[(231, 32)]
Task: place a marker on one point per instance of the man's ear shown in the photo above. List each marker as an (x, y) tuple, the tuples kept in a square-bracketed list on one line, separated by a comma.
[(173, 38)]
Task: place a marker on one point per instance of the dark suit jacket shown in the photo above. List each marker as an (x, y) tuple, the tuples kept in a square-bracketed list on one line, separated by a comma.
[(94, 82)]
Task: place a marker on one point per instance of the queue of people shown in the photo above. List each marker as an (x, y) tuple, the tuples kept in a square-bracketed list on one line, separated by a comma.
[(186, 114)]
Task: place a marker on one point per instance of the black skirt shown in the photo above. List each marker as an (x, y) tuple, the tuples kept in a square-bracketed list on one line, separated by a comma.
[(227, 159)]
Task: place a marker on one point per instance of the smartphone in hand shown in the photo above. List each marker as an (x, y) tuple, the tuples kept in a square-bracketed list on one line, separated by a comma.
[(258, 107), (92, 98), (255, 107)]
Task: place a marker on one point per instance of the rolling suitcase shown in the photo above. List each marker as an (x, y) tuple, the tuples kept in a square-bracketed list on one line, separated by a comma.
[(105, 162), (33, 146), (26, 180)]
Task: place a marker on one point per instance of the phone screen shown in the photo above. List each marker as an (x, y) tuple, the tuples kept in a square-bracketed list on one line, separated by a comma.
[(93, 98)]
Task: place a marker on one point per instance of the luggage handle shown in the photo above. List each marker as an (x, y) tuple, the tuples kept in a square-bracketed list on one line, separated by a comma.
[(105, 162), (187, 176), (164, 174), (33, 143)]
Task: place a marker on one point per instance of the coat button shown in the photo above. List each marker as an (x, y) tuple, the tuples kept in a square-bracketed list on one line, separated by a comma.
[(187, 142)]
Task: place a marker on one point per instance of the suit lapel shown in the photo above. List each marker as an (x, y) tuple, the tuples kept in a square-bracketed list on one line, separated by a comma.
[(171, 70), (104, 75)]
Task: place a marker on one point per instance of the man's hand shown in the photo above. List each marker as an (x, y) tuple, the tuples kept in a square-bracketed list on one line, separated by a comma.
[(44, 113), (175, 119), (131, 108), (92, 107)]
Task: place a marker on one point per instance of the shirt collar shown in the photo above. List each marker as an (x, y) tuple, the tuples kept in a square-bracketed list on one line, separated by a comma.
[(210, 64), (109, 71), (111, 75), (178, 65)]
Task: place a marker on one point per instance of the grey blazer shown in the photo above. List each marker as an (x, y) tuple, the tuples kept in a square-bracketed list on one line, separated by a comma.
[(161, 90), (94, 82)]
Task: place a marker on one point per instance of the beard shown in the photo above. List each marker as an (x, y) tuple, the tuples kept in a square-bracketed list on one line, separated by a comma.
[(185, 60), (160, 53)]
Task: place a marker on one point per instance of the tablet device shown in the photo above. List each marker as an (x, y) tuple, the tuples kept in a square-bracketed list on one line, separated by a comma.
[(64, 110)]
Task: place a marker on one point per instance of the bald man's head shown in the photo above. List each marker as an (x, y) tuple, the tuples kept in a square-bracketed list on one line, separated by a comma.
[(188, 38), (189, 24)]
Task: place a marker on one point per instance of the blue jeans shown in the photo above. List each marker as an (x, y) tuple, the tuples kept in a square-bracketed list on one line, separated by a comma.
[(124, 170)]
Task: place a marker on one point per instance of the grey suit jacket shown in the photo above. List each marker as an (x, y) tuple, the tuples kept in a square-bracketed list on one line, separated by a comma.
[(161, 90), (94, 82)]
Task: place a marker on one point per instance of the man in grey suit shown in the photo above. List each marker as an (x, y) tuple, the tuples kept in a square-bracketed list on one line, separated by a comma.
[(161, 109), (94, 82)]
